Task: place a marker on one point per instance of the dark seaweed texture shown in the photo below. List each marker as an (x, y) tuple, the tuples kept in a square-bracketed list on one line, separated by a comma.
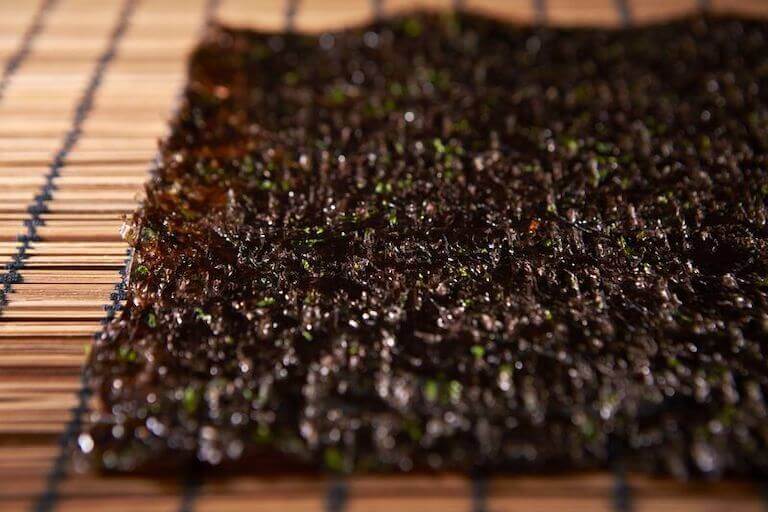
[(444, 242)]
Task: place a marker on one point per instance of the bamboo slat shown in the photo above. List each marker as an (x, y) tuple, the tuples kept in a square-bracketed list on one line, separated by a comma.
[(62, 280)]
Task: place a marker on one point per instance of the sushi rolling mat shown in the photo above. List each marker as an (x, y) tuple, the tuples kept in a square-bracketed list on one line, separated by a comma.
[(86, 88)]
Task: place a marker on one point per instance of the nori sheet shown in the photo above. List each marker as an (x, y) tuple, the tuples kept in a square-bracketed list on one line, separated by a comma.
[(444, 242)]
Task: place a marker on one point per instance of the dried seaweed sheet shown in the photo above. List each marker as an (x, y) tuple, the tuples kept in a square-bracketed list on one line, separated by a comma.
[(443, 242)]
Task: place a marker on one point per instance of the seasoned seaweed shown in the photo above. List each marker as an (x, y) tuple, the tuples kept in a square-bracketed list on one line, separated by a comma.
[(443, 242)]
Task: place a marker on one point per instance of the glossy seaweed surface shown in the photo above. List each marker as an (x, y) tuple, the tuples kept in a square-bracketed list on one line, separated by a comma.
[(445, 242)]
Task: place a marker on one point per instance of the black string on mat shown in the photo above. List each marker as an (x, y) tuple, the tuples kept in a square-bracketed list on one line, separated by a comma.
[(25, 45), (763, 489), (47, 500), (377, 7), (621, 493), (58, 472), (625, 12), (11, 277), (479, 482), (540, 11), (209, 13), (192, 482), (337, 495), (118, 294), (190, 487), (291, 9), (82, 110)]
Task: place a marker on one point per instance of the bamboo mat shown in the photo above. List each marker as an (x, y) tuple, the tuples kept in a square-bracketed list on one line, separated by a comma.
[(85, 92)]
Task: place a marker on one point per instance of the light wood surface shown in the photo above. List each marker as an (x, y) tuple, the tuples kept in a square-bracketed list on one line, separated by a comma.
[(65, 276)]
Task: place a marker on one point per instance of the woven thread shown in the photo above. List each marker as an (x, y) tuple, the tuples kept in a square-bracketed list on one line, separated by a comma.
[(337, 495), (540, 11), (48, 498), (377, 7), (479, 493), (625, 12), (621, 495), (84, 106), (190, 487), (291, 9), (13, 64), (27, 41)]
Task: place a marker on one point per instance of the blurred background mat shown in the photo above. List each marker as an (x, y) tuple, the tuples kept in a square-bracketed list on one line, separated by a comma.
[(86, 88), (318, 15)]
